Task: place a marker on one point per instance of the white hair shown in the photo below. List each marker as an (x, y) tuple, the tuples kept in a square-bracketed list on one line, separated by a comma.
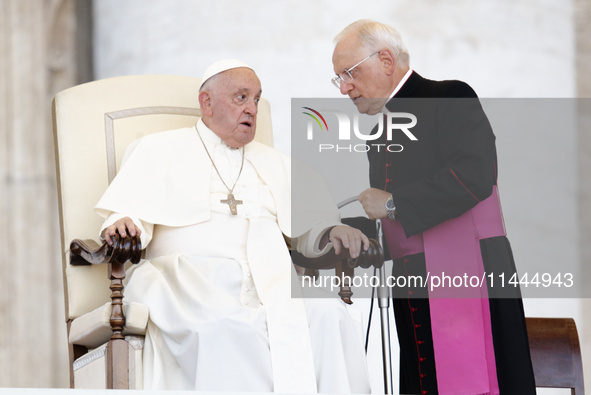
[(209, 84), (376, 36)]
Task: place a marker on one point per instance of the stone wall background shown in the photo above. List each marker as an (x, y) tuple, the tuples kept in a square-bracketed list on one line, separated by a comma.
[(504, 49), (44, 48)]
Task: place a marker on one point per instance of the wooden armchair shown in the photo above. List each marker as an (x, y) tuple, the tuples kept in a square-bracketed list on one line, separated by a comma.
[(93, 125), (556, 353)]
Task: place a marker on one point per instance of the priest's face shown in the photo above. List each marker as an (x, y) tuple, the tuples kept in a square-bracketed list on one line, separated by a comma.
[(362, 75), (233, 105)]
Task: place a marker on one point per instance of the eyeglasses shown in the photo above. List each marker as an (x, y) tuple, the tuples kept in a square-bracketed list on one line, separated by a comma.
[(347, 76)]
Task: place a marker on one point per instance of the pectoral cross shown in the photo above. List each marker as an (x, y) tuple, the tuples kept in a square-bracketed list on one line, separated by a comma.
[(232, 203)]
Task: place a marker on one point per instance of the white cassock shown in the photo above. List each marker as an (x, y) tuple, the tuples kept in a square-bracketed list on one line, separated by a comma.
[(220, 287)]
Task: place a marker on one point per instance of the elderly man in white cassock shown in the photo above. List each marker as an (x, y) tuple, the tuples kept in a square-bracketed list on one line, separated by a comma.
[(213, 209)]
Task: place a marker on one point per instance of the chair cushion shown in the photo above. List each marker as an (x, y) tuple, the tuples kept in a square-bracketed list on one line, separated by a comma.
[(93, 329)]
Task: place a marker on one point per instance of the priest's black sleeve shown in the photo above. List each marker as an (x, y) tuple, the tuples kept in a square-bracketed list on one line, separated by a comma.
[(449, 169)]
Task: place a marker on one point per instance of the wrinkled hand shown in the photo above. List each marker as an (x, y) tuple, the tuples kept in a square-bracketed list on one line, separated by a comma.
[(374, 201), (343, 236), (124, 226)]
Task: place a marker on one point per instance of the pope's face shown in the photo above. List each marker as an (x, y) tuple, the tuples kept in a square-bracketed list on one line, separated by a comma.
[(234, 106), (368, 87)]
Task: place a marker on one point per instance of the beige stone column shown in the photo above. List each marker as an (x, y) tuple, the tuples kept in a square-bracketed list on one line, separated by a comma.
[(583, 69), (38, 48)]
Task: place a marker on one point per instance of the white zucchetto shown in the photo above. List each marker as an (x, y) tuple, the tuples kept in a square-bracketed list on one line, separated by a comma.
[(221, 66)]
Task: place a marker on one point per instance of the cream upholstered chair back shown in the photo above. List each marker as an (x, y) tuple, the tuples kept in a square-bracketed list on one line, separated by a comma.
[(93, 125)]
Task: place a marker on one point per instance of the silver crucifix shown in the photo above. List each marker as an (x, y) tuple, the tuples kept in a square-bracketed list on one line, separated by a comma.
[(232, 203)]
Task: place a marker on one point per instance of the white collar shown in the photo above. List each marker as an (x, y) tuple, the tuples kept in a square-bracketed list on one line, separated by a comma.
[(207, 134), (210, 136), (398, 87)]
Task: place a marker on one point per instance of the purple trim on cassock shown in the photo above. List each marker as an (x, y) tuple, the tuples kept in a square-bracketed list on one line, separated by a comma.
[(460, 316)]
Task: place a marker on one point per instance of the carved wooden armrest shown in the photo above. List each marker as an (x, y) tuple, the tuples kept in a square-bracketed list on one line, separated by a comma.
[(87, 252), (343, 264), (374, 256)]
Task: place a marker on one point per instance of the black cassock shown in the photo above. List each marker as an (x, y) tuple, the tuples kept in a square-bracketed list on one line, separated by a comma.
[(447, 171)]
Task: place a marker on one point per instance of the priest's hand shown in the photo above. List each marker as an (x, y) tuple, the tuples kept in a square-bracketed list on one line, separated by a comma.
[(343, 236), (124, 226), (374, 201)]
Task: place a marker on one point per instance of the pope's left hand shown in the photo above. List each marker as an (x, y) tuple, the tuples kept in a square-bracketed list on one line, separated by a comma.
[(343, 236)]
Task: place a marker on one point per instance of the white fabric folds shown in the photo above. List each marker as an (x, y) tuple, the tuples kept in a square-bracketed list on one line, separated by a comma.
[(218, 286)]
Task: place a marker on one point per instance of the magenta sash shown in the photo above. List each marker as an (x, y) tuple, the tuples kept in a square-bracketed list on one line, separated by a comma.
[(460, 315)]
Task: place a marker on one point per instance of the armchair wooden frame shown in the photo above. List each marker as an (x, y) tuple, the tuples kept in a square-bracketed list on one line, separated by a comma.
[(116, 256), (88, 251), (556, 353), (93, 124)]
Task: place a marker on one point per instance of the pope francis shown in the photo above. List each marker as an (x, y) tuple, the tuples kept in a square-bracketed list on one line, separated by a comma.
[(213, 210)]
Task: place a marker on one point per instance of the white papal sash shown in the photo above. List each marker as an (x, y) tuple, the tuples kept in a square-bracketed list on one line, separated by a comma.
[(287, 322)]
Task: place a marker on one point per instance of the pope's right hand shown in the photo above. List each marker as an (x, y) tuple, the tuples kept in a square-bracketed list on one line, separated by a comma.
[(124, 226)]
